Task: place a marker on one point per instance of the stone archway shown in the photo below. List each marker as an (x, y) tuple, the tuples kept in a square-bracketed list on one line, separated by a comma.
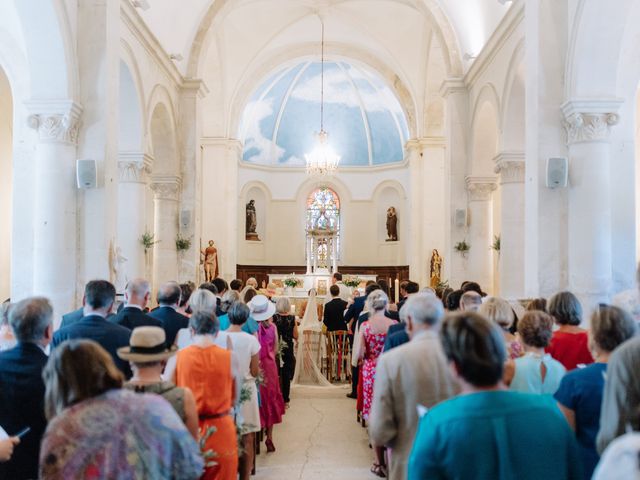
[(6, 183)]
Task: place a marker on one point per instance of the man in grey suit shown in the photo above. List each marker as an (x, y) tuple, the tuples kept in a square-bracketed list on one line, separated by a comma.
[(412, 374)]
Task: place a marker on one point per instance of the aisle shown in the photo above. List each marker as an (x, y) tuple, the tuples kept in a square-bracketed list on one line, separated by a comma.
[(318, 440)]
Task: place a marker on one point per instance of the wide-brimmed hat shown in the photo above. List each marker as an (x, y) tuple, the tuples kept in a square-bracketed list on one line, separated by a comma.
[(261, 308), (147, 344)]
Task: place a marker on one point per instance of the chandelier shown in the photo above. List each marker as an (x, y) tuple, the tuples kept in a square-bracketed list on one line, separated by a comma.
[(322, 160)]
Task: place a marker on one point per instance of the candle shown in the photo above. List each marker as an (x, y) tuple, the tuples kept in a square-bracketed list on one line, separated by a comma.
[(397, 289), (293, 309)]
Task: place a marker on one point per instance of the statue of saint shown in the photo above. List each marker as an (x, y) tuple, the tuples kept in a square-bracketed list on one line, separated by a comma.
[(252, 222), (209, 257), (116, 270), (435, 268), (392, 225)]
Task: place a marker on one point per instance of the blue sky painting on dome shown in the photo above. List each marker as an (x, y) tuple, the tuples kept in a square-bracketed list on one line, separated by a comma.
[(365, 121)]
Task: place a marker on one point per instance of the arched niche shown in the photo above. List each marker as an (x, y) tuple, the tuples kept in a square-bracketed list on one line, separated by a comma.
[(390, 194), (163, 141), (6, 183), (484, 143), (130, 125), (262, 200)]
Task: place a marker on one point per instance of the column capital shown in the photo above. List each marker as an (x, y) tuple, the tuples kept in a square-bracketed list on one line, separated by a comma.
[(56, 121), (229, 143), (453, 85), (480, 188), (590, 120), (195, 86), (165, 187), (510, 166), (134, 167)]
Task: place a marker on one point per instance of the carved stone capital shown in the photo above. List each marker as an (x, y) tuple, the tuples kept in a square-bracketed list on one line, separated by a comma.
[(57, 122), (590, 120), (134, 167), (510, 166), (453, 85), (166, 188), (480, 188)]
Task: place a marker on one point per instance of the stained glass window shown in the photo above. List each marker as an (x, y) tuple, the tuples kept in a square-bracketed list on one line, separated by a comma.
[(323, 215)]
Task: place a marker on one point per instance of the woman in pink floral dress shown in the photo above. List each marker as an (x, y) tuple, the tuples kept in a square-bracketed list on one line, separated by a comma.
[(372, 333)]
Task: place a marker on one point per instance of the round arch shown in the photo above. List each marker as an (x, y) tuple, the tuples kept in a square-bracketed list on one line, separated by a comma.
[(485, 128), (163, 142), (429, 8)]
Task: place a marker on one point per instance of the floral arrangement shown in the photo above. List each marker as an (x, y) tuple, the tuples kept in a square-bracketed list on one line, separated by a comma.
[(148, 240), (351, 282), (463, 247), (496, 243), (208, 455), (182, 243), (291, 281)]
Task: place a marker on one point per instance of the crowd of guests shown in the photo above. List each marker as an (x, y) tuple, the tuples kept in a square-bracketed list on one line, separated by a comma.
[(178, 391), (451, 384), (468, 386)]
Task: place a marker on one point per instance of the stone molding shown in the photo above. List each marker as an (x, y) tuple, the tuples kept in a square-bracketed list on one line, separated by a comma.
[(55, 121), (590, 120), (480, 188), (166, 187), (453, 85), (510, 166), (134, 167)]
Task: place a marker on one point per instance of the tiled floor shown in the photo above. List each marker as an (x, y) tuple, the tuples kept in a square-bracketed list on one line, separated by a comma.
[(319, 439)]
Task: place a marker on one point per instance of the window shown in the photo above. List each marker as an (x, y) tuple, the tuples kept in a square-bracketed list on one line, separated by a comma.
[(323, 216)]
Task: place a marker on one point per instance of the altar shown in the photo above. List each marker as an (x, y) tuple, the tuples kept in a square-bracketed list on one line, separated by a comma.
[(320, 281)]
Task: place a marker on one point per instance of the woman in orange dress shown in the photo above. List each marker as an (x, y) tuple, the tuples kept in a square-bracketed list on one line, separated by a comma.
[(207, 370)]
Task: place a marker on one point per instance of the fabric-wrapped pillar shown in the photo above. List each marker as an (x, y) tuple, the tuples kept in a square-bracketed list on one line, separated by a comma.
[(588, 124), (480, 255), (54, 226), (511, 168), (165, 254)]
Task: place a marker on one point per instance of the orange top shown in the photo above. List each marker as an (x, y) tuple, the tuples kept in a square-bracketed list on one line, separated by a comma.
[(207, 372)]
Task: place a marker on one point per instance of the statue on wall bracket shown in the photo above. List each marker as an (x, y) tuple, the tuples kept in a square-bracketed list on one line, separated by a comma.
[(209, 258), (435, 269), (251, 222), (392, 225)]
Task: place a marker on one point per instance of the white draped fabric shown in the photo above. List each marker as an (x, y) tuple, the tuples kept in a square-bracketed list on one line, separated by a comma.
[(310, 346)]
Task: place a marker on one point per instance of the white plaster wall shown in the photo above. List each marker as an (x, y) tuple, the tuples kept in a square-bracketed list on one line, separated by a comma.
[(6, 172), (281, 210)]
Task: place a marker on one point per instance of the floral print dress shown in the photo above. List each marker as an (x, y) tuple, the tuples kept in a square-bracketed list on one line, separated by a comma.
[(374, 344)]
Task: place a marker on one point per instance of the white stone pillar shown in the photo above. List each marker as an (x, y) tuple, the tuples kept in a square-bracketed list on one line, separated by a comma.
[(308, 247), (480, 231), (334, 255), (133, 170), (165, 255), (588, 124), (417, 263), (455, 92), (511, 167), (54, 190)]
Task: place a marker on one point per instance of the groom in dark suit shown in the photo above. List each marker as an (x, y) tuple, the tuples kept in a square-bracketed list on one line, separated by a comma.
[(333, 316), (22, 387), (99, 296)]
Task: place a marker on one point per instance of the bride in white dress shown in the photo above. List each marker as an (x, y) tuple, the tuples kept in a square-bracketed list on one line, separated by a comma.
[(310, 346)]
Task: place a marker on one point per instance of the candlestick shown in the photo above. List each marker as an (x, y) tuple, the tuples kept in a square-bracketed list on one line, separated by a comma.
[(397, 290)]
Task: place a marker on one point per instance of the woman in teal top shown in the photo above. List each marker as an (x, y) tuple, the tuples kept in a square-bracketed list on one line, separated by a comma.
[(488, 432), (535, 371)]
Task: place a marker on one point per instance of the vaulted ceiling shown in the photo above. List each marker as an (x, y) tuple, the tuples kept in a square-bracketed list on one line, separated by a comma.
[(177, 24)]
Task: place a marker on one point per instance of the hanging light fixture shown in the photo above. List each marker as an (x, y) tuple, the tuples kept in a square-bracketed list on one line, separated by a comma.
[(322, 160)]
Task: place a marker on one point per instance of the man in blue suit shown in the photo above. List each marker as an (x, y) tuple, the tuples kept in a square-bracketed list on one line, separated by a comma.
[(22, 387), (397, 334), (172, 321), (99, 296), (136, 295)]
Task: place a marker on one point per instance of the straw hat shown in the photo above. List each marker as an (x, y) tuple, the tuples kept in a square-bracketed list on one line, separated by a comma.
[(261, 308), (147, 344)]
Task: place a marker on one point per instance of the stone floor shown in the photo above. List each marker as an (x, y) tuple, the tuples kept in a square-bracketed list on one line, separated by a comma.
[(319, 439)]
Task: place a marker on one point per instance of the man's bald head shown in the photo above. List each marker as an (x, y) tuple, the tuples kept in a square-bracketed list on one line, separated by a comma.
[(169, 294)]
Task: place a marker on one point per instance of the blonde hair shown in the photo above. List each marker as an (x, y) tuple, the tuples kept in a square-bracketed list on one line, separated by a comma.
[(283, 305), (498, 311), (228, 299), (377, 301), (76, 371), (202, 300)]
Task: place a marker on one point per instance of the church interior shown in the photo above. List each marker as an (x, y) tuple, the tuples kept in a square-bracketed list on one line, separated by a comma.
[(283, 141)]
